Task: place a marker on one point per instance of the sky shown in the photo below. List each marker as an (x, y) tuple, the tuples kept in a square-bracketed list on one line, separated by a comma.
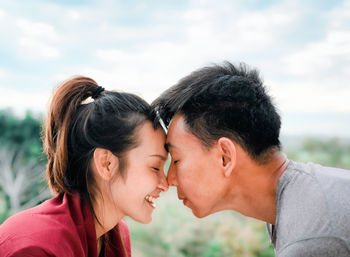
[(301, 48)]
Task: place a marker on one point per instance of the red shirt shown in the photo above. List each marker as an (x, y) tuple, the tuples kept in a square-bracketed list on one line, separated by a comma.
[(63, 227)]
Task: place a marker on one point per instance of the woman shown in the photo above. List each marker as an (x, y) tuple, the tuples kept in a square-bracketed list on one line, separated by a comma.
[(105, 161)]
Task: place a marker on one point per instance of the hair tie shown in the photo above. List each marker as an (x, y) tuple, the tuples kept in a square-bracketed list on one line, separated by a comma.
[(97, 92)]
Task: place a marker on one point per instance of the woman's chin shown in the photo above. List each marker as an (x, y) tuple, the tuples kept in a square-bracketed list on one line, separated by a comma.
[(143, 220)]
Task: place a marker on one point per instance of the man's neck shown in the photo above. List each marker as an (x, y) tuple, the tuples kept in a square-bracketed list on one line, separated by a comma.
[(254, 193)]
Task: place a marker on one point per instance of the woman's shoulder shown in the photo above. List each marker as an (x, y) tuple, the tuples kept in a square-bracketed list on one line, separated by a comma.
[(124, 227), (42, 218), (122, 230), (33, 220)]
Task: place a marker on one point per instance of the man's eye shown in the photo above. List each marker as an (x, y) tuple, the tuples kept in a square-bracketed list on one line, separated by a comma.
[(156, 169), (175, 161)]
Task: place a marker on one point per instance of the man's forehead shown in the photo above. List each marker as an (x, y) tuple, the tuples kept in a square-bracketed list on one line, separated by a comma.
[(177, 125), (175, 134), (179, 137)]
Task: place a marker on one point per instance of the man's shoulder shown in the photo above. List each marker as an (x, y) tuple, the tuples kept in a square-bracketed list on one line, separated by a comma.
[(311, 190), (310, 205), (318, 172), (311, 185), (315, 246)]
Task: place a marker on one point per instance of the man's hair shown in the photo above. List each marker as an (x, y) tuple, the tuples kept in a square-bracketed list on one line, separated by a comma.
[(225, 101)]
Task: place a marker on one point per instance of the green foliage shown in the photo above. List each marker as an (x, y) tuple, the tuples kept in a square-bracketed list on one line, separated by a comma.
[(175, 232), (333, 152), (22, 163), (21, 133)]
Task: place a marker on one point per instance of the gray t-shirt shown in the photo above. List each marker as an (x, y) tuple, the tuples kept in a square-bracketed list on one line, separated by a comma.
[(313, 212)]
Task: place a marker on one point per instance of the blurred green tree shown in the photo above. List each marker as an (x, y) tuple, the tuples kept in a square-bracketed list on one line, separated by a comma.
[(22, 184), (21, 133), (333, 152)]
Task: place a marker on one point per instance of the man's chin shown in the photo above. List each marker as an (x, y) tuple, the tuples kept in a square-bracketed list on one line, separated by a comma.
[(199, 214)]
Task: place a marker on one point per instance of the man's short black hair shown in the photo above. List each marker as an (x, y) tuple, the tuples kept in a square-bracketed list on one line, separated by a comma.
[(225, 101)]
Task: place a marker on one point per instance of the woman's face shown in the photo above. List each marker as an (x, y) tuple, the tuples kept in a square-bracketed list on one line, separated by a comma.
[(135, 194)]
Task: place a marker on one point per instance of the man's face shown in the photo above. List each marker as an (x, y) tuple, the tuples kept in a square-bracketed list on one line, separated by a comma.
[(194, 170)]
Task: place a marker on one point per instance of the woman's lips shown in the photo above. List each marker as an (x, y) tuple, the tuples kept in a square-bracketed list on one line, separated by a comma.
[(151, 200)]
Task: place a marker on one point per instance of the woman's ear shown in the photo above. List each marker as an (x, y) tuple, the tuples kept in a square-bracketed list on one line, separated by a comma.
[(228, 154), (106, 163)]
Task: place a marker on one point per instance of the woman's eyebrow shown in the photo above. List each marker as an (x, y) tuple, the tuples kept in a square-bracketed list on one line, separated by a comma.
[(164, 158)]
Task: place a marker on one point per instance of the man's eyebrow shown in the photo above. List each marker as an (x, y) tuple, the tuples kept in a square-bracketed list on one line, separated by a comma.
[(160, 156)]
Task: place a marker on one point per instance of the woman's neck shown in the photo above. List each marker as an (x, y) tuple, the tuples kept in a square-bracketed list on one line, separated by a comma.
[(106, 217)]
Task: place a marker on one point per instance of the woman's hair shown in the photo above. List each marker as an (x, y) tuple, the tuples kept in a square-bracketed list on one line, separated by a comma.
[(83, 117), (75, 128)]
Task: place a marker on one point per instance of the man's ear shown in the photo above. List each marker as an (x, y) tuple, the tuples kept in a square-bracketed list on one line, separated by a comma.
[(106, 163), (228, 154)]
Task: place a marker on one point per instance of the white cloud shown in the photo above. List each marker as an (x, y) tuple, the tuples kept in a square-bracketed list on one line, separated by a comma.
[(331, 53), (7, 28), (238, 31), (36, 39), (28, 38), (73, 15), (20, 101), (193, 15), (213, 33), (34, 48), (339, 17), (154, 66), (202, 41), (319, 57), (110, 80), (308, 96), (314, 76), (261, 28), (151, 67), (39, 30), (111, 55), (120, 52), (4, 73)]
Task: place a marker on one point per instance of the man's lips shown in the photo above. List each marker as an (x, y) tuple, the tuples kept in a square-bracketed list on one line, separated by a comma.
[(183, 199)]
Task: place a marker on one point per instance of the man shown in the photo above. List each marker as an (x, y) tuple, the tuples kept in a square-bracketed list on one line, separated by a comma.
[(223, 137)]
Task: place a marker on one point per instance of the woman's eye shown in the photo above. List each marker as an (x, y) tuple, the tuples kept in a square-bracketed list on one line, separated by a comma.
[(175, 161), (155, 169)]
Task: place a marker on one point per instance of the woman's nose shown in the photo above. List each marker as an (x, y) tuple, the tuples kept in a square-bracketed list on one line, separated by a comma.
[(163, 183)]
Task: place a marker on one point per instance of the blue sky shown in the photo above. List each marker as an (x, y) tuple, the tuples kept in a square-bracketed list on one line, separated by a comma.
[(302, 49)]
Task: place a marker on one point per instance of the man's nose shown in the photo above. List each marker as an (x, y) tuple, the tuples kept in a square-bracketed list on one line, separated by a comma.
[(172, 177)]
